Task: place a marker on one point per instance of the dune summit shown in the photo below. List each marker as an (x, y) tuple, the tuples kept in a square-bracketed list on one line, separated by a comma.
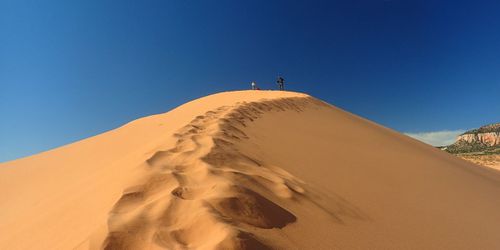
[(249, 170)]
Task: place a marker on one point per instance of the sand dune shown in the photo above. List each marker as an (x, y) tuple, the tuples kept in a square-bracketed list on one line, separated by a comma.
[(249, 170)]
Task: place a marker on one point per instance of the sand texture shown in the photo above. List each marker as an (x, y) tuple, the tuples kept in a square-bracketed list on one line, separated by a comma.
[(487, 160), (249, 170)]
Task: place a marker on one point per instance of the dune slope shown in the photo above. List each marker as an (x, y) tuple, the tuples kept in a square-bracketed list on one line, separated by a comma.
[(248, 170)]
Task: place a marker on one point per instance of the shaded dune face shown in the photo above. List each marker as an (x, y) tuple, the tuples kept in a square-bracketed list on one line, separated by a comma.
[(205, 193), (253, 209)]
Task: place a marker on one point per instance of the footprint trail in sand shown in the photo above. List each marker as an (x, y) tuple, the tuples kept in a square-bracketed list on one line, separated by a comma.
[(201, 194)]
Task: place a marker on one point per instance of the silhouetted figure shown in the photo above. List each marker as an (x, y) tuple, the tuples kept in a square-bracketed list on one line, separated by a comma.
[(281, 83), (254, 86)]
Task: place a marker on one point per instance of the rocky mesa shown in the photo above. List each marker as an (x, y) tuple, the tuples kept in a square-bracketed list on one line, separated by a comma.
[(480, 146), (482, 139)]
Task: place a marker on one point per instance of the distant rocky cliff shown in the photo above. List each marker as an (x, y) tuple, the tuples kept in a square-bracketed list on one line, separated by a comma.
[(488, 135), (480, 146), (483, 139), (487, 139)]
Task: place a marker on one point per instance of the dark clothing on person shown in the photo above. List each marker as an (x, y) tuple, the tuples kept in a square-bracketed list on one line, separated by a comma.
[(281, 83)]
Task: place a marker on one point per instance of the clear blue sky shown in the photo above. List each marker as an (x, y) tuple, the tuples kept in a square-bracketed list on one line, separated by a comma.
[(73, 69)]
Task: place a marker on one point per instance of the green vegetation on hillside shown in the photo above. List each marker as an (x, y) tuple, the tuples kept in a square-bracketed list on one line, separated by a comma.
[(463, 147), (495, 127)]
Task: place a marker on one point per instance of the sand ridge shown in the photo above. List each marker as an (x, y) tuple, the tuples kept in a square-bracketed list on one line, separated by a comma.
[(194, 199)]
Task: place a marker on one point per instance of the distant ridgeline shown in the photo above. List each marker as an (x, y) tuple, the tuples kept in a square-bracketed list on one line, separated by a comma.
[(484, 140)]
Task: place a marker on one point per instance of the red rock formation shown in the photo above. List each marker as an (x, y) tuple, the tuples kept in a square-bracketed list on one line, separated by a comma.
[(489, 138)]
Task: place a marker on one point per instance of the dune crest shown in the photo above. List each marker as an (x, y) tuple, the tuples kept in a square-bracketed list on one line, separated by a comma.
[(202, 193)]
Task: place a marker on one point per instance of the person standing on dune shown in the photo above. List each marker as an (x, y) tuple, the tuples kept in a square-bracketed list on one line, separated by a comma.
[(254, 86), (281, 83)]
